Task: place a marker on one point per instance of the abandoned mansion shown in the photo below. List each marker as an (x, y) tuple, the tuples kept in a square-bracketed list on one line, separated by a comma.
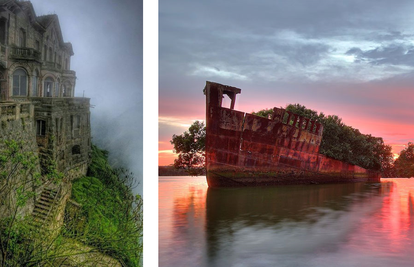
[(38, 103)]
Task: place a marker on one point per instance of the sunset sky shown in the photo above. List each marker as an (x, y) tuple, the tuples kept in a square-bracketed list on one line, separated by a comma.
[(354, 59)]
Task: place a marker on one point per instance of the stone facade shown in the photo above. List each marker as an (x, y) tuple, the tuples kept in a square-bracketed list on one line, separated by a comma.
[(35, 71), (34, 61)]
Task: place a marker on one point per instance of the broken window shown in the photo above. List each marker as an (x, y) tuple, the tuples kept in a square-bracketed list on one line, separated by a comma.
[(41, 127), (50, 55), (292, 119), (75, 125), (225, 101), (22, 38), (48, 87), (3, 32), (285, 118), (303, 123), (19, 83), (76, 150), (34, 83)]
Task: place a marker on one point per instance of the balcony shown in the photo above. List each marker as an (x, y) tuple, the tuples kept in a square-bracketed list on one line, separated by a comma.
[(53, 66), (24, 53)]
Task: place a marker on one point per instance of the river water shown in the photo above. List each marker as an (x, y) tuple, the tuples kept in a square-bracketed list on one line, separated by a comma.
[(363, 224)]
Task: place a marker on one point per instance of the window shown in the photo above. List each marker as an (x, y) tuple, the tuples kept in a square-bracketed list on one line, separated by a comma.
[(3, 31), (41, 128), (50, 54), (45, 53), (19, 83), (34, 83), (75, 125), (76, 150), (48, 87), (37, 45), (22, 38), (67, 90)]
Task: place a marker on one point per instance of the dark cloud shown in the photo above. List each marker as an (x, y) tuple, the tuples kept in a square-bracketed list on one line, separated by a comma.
[(394, 54), (350, 58)]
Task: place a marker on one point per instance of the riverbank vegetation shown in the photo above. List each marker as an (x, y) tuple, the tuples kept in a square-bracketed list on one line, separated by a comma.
[(190, 147), (404, 164)]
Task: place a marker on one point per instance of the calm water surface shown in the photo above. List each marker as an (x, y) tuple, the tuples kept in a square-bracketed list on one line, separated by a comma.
[(364, 224)]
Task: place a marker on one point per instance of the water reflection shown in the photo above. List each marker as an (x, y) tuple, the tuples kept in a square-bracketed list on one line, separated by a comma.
[(320, 225)]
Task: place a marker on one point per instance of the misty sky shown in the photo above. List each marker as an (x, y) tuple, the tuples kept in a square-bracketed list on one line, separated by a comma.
[(106, 36), (351, 58)]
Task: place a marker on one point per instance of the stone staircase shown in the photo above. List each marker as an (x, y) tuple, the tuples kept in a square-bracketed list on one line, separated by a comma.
[(44, 209)]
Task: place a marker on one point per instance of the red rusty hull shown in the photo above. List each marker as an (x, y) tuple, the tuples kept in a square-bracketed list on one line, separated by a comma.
[(246, 150)]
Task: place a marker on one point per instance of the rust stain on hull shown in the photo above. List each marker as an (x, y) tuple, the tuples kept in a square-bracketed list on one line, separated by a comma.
[(247, 150)]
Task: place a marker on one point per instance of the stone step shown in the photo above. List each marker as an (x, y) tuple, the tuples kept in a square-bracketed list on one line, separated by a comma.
[(41, 218), (47, 202), (41, 211), (48, 195), (42, 206)]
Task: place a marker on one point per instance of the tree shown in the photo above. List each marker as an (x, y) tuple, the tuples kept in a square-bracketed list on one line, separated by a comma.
[(404, 164), (343, 142), (18, 182), (190, 147)]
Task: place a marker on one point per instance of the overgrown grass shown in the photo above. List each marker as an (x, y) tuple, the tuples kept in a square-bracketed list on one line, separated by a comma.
[(113, 216)]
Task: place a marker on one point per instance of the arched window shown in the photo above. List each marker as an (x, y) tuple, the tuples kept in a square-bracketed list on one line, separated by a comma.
[(19, 82), (34, 83), (48, 87), (67, 90)]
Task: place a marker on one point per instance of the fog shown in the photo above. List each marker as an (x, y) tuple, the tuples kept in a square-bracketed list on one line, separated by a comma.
[(106, 36)]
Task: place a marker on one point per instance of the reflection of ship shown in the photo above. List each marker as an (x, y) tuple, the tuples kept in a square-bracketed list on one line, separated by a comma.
[(270, 205), (235, 212), (243, 149)]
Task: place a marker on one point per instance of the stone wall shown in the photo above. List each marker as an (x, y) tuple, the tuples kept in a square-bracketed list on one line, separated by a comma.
[(17, 123), (67, 138)]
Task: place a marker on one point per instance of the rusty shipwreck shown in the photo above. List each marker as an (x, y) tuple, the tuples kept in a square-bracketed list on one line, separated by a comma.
[(247, 150)]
